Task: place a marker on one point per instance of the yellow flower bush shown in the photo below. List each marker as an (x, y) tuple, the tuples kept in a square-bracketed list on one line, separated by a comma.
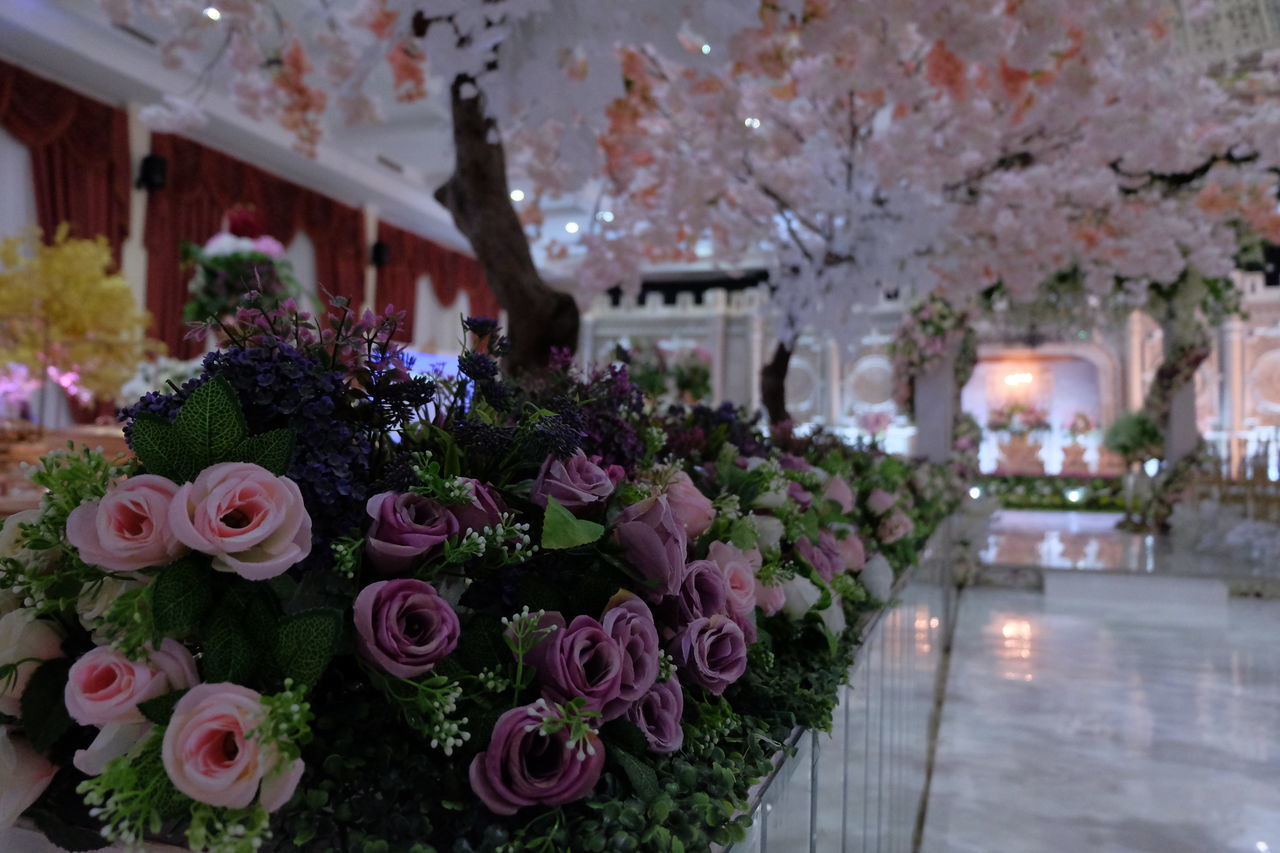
[(60, 307)]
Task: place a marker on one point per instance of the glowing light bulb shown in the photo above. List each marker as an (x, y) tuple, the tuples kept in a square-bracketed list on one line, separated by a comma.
[(975, 492), (571, 227), (706, 48), (1014, 379), (212, 13), (605, 216), (517, 195)]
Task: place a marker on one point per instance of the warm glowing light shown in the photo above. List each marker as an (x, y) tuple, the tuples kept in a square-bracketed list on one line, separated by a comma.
[(517, 195), (933, 623), (1015, 379), (212, 13), (1075, 495), (1019, 628), (571, 227)]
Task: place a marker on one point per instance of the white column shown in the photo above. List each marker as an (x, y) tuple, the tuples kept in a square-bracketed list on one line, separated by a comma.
[(1233, 378), (935, 404), (133, 254)]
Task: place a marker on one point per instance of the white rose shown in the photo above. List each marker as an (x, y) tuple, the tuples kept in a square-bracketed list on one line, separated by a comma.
[(768, 531), (772, 499), (877, 577), (24, 637), (96, 598), (10, 529), (802, 594), (833, 617), (227, 244), (24, 774)]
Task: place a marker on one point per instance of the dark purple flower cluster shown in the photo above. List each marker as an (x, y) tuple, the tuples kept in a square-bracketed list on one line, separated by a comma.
[(610, 408), (279, 386)]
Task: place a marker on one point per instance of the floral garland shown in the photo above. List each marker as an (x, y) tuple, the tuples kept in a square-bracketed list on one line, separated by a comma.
[(332, 605), (1080, 425), (932, 327)]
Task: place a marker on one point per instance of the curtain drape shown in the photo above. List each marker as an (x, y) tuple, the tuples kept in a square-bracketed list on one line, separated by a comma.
[(202, 184), (411, 256), (79, 155)]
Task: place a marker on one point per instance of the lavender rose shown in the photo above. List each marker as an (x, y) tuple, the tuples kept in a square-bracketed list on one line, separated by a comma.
[(837, 489), (405, 527), (739, 569), (485, 511), (404, 627), (579, 660), (880, 501), (711, 651), (703, 592), (524, 766), (658, 714), (575, 482), (629, 621), (691, 506), (655, 544), (798, 495), (894, 526), (825, 557)]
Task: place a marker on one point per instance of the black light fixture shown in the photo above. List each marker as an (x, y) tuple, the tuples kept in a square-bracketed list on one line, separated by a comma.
[(153, 173), (380, 254)]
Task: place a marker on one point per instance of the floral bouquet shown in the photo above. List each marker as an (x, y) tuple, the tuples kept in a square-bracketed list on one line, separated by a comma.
[(233, 263), (931, 328), (1081, 425), (334, 606), (1018, 419)]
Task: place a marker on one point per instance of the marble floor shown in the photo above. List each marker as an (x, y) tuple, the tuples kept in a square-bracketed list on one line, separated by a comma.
[(1097, 716)]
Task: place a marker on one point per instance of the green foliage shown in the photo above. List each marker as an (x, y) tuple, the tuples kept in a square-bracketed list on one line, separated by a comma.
[(160, 709), (561, 529), (180, 596), (1135, 436), (428, 707), (305, 643), (209, 428), (133, 796), (229, 653), (217, 830), (44, 714), (1096, 494)]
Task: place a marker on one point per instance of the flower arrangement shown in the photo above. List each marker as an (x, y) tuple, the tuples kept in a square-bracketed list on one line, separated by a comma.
[(234, 262), (683, 377), (1081, 425), (65, 318), (331, 605), (932, 327), (1018, 419)]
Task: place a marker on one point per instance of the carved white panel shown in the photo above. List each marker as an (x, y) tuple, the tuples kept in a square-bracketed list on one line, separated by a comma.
[(1264, 382)]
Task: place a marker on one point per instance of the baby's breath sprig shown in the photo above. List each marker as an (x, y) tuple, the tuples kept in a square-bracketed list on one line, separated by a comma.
[(848, 587), (133, 795), (666, 665), (509, 538), (346, 555), (524, 631), (492, 680), (217, 830), (427, 706), (727, 507), (432, 483), (286, 724), (575, 716)]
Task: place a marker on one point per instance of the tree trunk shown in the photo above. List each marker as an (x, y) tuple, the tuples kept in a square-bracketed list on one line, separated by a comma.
[(773, 384), (539, 317)]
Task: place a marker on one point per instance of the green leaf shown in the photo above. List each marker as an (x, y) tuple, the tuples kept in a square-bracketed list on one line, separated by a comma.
[(560, 529), (160, 709), (305, 643), (44, 712), (180, 597), (64, 835), (272, 450), (210, 422), (642, 776), (160, 450), (229, 655)]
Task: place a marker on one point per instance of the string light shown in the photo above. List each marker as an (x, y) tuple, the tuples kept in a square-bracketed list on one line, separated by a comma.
[(571, 227), (212, 13), (517, 195)]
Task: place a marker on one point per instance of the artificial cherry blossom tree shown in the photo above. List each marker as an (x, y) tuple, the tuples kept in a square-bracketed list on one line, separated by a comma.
[(506, 64), (856, 146)]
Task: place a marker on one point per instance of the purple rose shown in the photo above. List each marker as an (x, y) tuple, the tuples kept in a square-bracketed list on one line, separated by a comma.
[(825, 557), (791, 462), (579, 660), (575, 482), (691, 506), (522, 766), (703, 592), (629, 621), (485, 511), (404, 627), (798, 495), (711, 651), (655, 544), (405, 527), (658, 714)]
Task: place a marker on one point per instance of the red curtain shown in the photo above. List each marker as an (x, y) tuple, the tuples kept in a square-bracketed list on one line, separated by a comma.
[(79, 155), (202, 184), (411, 256)]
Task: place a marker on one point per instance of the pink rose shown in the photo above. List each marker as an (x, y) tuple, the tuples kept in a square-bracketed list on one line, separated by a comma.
[(252, 523), (739, 572), (852, 551), (837, 489), (269, 246), (24, 774), (691, 507), (128, 528), (210, 757), (880, 501), (770, 598), (894, 526), (104, 686)]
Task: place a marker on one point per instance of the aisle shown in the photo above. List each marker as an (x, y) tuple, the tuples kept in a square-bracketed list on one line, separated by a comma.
[(1105, 725)]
